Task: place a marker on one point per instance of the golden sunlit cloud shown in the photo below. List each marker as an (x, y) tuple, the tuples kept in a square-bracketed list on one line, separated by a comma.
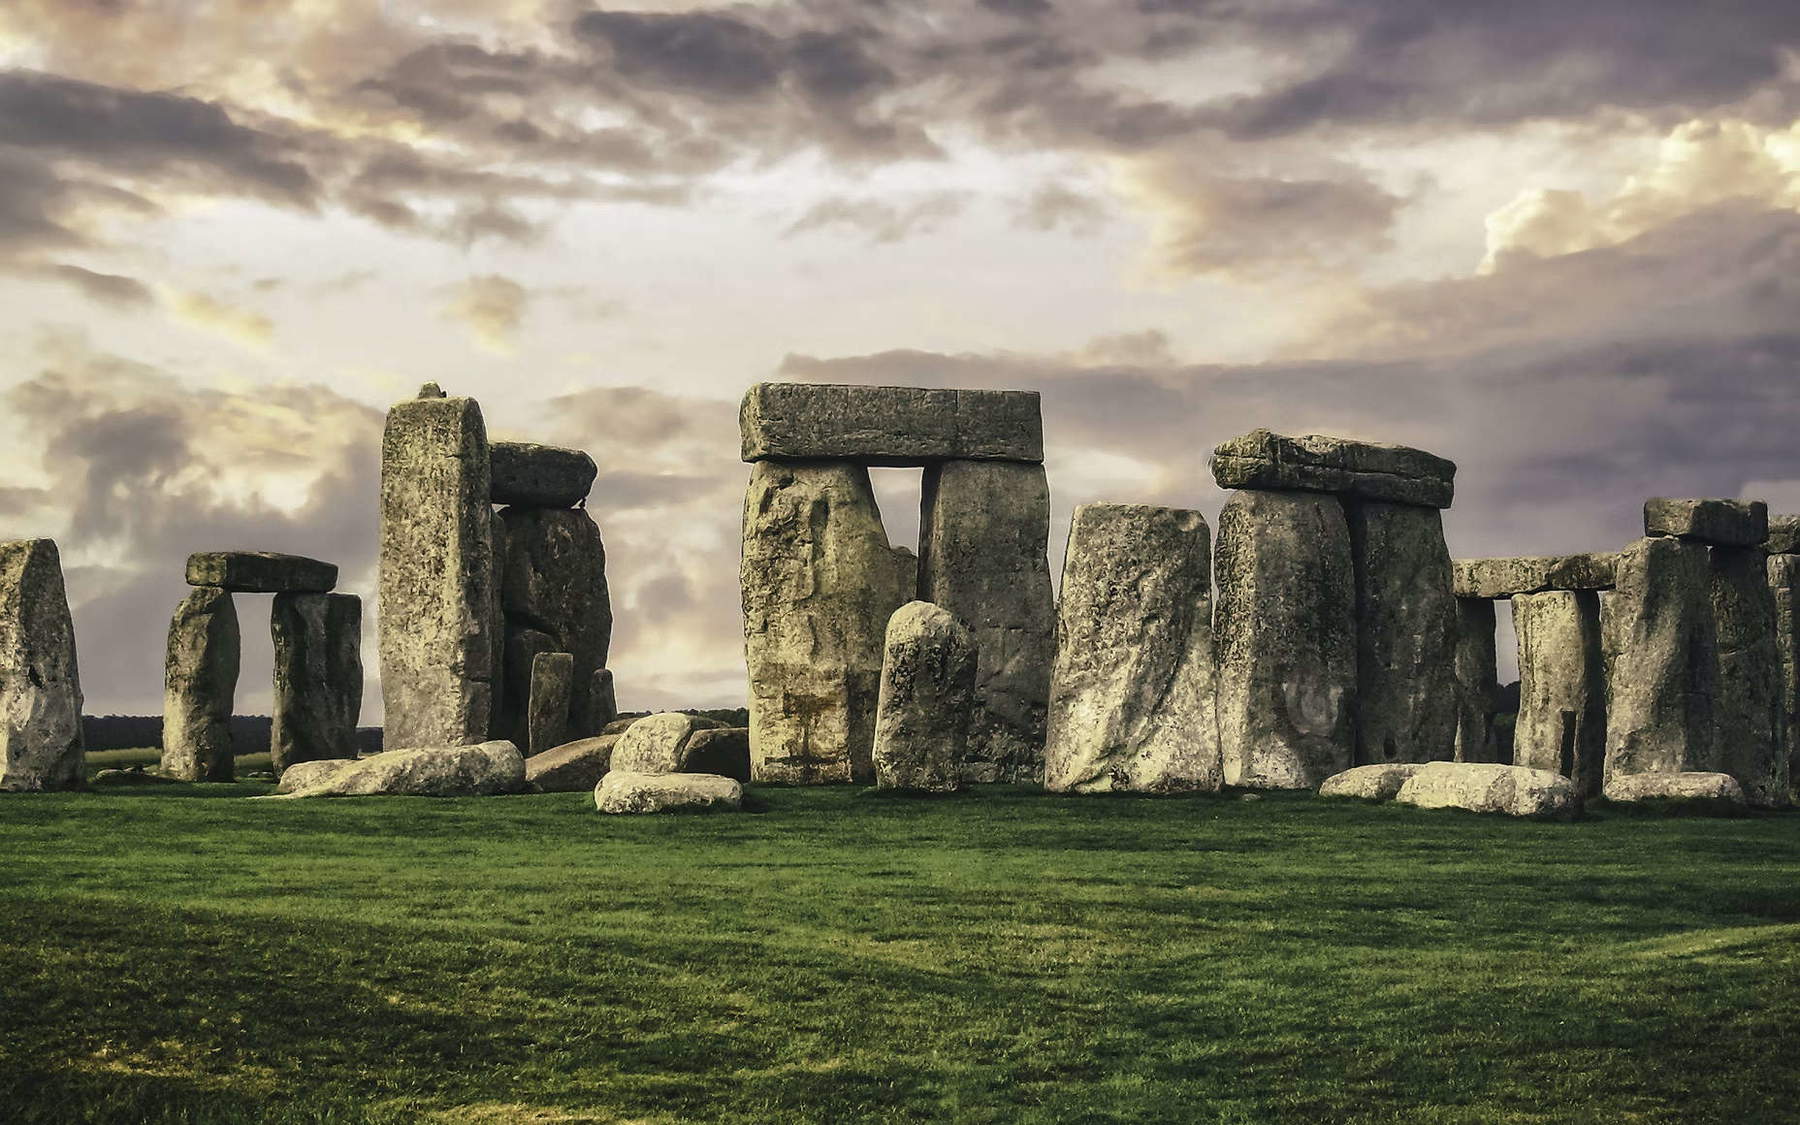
[(246, 326), (491, 308)]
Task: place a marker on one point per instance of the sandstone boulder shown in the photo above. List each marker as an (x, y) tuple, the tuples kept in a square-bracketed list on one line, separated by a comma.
[(1485, 787), (540, 476), (40, 684), (318, 677), (454, 771), (927, 700), (1722, 523), (260, 572), (574, 767), (667, 792), (1406, 701), (1662, 664), (199, 683), (1561, 726), (889, 425), (1719, 790), (658, 743), (1508, 577), (1370, 470), (1379, 782)]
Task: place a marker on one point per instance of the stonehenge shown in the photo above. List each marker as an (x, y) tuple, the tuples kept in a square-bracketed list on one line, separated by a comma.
[(927, 700), (318, 677), (1407, 708), (40, 686), (1561, 725), (199, 683)]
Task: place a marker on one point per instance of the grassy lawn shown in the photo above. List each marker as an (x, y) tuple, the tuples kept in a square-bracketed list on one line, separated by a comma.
[(170, 954)]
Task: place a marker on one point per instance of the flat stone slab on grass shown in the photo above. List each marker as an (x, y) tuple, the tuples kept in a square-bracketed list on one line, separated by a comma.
[(1379, 782), (448, 771), (260, 572), (1719, 791), (889, 425), (539, 476), (1722, 523), (574, 767), (1488, 788), (1262, 459), (1508, 577), (622, 792)]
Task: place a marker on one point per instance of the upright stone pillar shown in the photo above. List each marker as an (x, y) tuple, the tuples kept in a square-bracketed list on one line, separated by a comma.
[(1784, 576), (547, 724), (927, 700), (819, 585), (1748, 712), (1406, 632), (318, 677), (1477, 680), (199, 683), (602, 704), (983, 536), (1562, 687), (40, 686), (1661, 661), (1287, 639), (1131, 700), (553, 583), (437, 574)]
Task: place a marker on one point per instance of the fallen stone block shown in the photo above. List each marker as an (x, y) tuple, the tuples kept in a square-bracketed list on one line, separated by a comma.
[(452, 771), (1721, 523), (40, 685), (721, 750), (1510, 577), (927, 700), (659, 743), (1485, 787), (540, 476), (136, 775), (260, 572), (1720, 791), (667, 792), (574, 767), (1380, 782), (889, 425), (1261, 459)]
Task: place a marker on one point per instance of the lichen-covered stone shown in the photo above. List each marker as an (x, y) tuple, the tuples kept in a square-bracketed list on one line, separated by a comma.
[(1406, 701), (260, 572), (1486, 787), (1784, 579), (1477, 681), (622, 792), (1748, 710), (819, 583), (1286, 638), (658, 743), (1719, 790), (1561, 725), (1263, 460), (40, 684), (927, 700), (1131, 698), (1379, 782), (547, 721), (889, 425), (1662, 664), (1784, 536), (479, 770), (1509, 577), (199, 682), (574, 767), (540, 476), (1721, 523), (553, 582), (983, 541), (721, 750), (602, 704), (318, 677)]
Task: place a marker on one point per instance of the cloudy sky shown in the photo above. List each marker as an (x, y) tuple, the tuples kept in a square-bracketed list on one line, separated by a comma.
[(1559, 243)]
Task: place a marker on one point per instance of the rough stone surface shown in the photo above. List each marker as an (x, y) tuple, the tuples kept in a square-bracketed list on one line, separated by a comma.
[(260, 572), (1477, 681), (1718, 789), (1261, 459), (1784, 577), (1380, 782), (318, 677), (1406, 703), (437, 571), (547, 723), (1748, 709), (602, 703), (1131, 699), (927, 700), (1784, 536), (1509, 577), (136, 775), (1287, 640), (1561, 725), (1662, 664), (40, 685), (574, 767), (620, 792), (455, 771), (658, 743), (983, 541), (553, 582), (199, 682), (889, 425), (1486, 787), (721, 750), (819, 583), (540, 476), (1722, 523)]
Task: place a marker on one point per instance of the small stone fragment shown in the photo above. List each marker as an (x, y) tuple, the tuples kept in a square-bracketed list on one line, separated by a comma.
[(318, 677), (40, 685), (1485, 787), (1380, 782), (1263, 460), (548, 714), (620, 792), (1509, 577), (540, 476), (1721, 523), (199, 683), (889, 425), (574, 767), (1562, 686), (927, 701), (260, 572)]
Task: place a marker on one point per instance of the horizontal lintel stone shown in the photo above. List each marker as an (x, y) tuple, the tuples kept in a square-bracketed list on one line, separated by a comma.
[(539, 476), (1722, 523), (1509, 577), (894, 426), (1399, 474), (260, 572)]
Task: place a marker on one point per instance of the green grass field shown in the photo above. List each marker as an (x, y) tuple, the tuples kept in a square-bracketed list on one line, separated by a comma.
[(172, 954)]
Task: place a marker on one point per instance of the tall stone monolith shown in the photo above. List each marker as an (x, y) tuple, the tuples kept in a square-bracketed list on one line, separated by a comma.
[(1477, 681), (602, 704), (927, 702), (1748, 712), (1131, 698), (199, 682), (819, 583), (1662, 665), (553, 581), (1784, 577), (318, 677), (983, 536), (1287, 639), (547, 716), (1406, 699), (40, 685), (437, 575), (1562, 686)]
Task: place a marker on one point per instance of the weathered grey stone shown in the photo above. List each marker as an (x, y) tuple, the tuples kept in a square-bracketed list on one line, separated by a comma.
[(523, 647), (1477, 681), (574, 767), (260, 572), (1406, 702), (889, 425), (1131, 698), (1379, 782), (819, 583), (620, 725), (1720, 790), (548, 715), (435, 771), (1487, 787), (1662, 663), (554, 583), (40, 685), (1721, 523), (721, 750), (602, 704), (506, 715), (1316, 463), (658, 743), (927, 700), (437, 570), (199, 683), (1784, 577), (620, 792), (136, 775), (1287, 640), (1506, 578), (1562, 686), (1784, 536), (983, 537), (540, 476), (318, 677), (1748, 711)]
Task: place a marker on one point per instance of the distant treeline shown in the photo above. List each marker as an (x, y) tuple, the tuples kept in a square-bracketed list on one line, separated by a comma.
[(249, 733)]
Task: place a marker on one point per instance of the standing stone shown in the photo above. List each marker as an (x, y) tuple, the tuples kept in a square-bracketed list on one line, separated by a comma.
[(1406, 702), (819, 583), (547, 725), (1747, 714), (1131, 700), (1784, 576), (1562, 686), (504, 712), (553, 581), (199, 682), (983, 536), (523, 647), (40, 686), (602, 703), (1287, 639), (318, 677), (437, 570), (1477, 681), (1661, 661), (927, 701)]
